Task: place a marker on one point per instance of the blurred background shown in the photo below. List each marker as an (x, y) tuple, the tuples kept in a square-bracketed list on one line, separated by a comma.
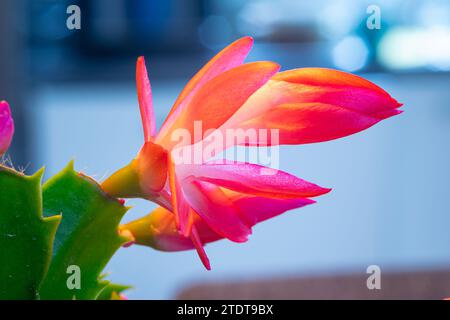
[(73, 97)]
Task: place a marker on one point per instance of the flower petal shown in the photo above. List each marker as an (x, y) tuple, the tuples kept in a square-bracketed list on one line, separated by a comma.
[(302, 123), (145, 99), (6, 127), (151, 164), (219, 99), (230, 57), (195, 237), (180, 206), (158, 229), (313, 104), (255, 209), (252, 179), (211, 204)]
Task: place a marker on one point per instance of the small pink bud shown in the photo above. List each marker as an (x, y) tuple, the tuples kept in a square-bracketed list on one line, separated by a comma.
[(6, 127)]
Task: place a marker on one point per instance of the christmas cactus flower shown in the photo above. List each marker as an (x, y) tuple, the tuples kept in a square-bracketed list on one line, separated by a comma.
[(6, 127), (159, 229), (203, 199)]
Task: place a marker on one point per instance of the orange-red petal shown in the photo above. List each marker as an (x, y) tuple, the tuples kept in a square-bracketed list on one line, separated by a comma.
[(231, 56), (313, 104), (217, 100), (145, 99), (151, 166)]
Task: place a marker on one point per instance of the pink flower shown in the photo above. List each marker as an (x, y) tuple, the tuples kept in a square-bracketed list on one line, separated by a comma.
[(6, 127), (204, 201)]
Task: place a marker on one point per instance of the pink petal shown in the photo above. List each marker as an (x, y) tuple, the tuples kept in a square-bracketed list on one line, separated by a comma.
[(230, 57), (212, 205), (252, 179), (255, 209), (195, 237), (6, 127), (145, 100)]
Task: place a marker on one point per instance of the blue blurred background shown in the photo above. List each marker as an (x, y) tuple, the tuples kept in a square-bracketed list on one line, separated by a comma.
[(73, 97)]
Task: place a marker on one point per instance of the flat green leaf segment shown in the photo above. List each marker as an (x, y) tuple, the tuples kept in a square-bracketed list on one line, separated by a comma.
[(86, 239), (25, 236), (112, 291)]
